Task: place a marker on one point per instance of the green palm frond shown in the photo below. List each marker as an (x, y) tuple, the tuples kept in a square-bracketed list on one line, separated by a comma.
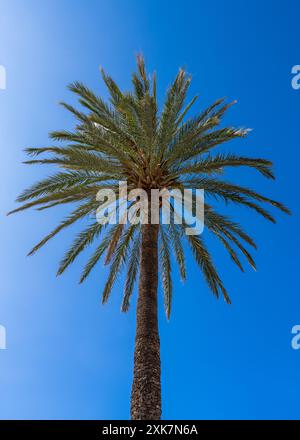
[(230, 250), (96, 256), (214, 218), (204, 260), (218, 162), (83, 239), (132, 270), (114, 242), (61, 182), (116, 95), (80, 212), (217, 186), (118, 260), (175, 236), (235, 197), (174, 101), (165, 269)]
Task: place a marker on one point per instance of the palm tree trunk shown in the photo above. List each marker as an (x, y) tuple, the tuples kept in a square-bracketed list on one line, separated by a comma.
[(146, 388)]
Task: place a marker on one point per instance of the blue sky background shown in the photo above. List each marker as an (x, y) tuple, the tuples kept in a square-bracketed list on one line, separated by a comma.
[(69, 357)]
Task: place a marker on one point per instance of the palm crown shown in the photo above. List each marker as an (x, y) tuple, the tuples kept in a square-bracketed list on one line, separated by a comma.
[(129, 139)]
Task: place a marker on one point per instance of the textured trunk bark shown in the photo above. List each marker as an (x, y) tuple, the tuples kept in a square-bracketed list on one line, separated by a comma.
[(146, 388)]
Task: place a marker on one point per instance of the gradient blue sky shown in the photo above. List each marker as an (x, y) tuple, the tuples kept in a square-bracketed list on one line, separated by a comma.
[(69, 357)]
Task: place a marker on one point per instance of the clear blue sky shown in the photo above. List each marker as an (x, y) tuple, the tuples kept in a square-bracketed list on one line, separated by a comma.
[(69, 357)]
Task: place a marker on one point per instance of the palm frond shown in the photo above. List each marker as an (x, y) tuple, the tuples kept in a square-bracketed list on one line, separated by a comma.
[(115, 93), (113, 243), (61, 182), (132, 270), (165, 269), (176, 241), (80, 212), (204, 260), (118, 260), (218, 162), (176, 95), (219, 186), (96, 256), (83, 239)]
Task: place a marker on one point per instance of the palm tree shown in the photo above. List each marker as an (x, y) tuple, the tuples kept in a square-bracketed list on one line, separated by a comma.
[(128, 139)]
